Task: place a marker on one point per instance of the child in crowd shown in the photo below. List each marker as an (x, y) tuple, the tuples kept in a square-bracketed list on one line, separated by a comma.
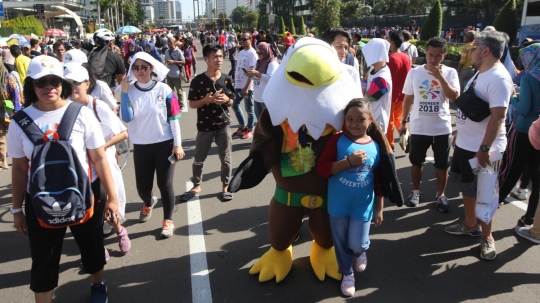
[(350, 161)]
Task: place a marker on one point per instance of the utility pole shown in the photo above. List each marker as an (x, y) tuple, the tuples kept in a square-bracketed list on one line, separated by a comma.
[(98, 13)]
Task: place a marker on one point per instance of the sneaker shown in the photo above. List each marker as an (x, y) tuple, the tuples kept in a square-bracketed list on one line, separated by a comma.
[(248, 134), (123, 241), (347, 285), (525, 233), (361, 263), (524, 222), (107, 228), (442, 204), (146, 212), (462, 229), (487, 248), (168, 228), (413, 199), (520, 193), (99, 293), (239, 132), (107, 256)]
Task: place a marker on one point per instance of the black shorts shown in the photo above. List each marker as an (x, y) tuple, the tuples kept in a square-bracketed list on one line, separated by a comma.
[(462, 171), (440, 146), (46, 243)]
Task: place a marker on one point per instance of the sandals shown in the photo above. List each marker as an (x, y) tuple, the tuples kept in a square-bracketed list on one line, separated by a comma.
[(348, 286), (227, 196), (188, 195)]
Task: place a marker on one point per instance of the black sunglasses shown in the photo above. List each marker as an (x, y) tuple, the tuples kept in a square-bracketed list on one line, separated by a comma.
[(142, 67), (43, 82)]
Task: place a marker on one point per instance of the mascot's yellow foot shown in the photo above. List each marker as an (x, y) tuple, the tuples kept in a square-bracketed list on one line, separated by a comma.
[(273, 264), (324, 262)]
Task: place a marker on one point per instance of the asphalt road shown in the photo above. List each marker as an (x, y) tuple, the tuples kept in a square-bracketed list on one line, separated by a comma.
[(411, 258)]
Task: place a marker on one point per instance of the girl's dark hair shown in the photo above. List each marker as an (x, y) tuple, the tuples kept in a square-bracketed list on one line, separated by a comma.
[(358, 102), (30, 96), (91, 78)]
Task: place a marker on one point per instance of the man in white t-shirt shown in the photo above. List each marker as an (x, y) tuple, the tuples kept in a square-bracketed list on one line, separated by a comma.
[(379, 82), (429, 88), (477, 139), (409, 48), (243, 87)]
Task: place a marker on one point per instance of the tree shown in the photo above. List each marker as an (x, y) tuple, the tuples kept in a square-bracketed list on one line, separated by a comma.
[(326, 14), (141, 13), (302, 30), (292, 29), (25, 25), (506, 20), (161, 17), (250, 19), (238, 13), (263, 22), (281, 26), (432, 27), (350, 9)]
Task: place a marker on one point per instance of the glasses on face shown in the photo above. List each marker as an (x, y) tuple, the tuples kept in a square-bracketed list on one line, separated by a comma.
[(244, 39), (75, 83), (44, 82), (141, 67)]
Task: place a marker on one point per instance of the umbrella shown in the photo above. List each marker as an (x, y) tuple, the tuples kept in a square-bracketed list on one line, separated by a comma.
[(20, 39), (55, 32), (127, 30), (34, 36)]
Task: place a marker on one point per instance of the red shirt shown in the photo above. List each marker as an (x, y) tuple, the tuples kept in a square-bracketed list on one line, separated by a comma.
[(222, 39), (400, 65)]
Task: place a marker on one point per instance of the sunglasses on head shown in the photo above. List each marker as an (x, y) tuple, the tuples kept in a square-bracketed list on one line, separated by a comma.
[(44, 82), (142, 67)]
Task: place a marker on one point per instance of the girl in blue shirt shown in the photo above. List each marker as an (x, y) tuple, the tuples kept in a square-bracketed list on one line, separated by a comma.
[(349, 160)]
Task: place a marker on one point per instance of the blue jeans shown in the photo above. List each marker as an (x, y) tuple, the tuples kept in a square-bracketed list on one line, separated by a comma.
[(233, 67), (351, 239), (259, 107), (248, 106)]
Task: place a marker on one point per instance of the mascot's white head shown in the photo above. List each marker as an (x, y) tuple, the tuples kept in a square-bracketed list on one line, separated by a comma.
[(311, 87)]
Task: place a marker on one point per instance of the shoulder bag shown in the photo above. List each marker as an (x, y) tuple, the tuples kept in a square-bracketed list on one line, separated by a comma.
[(472, 106)]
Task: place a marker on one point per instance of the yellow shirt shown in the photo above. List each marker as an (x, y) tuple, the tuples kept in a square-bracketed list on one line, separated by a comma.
[(21, 65), (466, 56)]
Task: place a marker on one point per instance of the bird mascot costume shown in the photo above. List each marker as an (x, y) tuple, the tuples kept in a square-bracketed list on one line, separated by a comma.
[(305, 99)]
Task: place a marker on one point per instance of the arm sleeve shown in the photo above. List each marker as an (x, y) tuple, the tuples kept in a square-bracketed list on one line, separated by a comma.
[(175, 129), (173, 107), (328, 157), (524, 104), (126, 111), (377, 89), (272, 67)]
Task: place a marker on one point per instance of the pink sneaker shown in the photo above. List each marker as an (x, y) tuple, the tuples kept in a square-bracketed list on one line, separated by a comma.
[(361, 263), (248, 134), (239, 132), (347, 285), (107, 256), (123, 241)]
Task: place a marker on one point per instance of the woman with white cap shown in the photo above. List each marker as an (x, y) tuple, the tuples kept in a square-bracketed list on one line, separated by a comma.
[(46, 92), (97, 88), (152, 111), (113, 132)]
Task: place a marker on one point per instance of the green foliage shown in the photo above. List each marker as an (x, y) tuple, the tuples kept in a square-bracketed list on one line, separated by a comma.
[(238, 13), (432, 27), (292, 29), (302, 30), (350, 9), (314, 31), (263, 22), (326, 13), (251, 18), (453, 50), (506, 20), (281, 26), (161, 17), (25, 25)]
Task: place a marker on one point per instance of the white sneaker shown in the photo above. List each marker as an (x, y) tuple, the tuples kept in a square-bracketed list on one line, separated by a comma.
[(107, 229), (168, 229), (519, 193)]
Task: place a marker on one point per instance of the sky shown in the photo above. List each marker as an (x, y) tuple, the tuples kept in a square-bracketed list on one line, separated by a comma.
[(187, 8)]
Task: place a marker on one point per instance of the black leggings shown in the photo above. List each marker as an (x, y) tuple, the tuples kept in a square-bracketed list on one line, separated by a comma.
[(519, 153), (150, 158)]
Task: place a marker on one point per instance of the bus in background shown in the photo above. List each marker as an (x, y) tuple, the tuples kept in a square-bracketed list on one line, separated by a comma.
[(175, 27), (530, 20), (193, 26)]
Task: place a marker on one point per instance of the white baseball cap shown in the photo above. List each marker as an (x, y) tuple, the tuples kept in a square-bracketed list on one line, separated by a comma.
[(42, 66), (76, 72), (75, 56)]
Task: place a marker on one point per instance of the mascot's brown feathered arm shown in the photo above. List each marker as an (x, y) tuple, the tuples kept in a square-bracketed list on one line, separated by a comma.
[(387, 166), (264, 152)]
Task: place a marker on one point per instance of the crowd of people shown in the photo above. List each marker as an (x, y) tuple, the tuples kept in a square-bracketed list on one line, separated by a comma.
[(42, 82)]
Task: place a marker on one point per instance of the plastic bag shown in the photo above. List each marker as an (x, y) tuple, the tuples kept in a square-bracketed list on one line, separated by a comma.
[(487, 194)]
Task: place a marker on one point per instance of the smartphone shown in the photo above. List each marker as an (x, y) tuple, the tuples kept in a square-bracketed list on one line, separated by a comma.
[(172, 159)]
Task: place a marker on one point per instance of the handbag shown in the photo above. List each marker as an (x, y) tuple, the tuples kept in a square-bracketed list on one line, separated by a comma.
[(472, 106)]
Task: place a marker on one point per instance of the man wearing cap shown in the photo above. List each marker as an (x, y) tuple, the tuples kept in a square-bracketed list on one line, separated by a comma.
[(21, 61)]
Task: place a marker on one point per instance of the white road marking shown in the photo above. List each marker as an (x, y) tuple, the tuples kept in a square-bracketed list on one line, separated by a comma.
[(200, 280), (516, 203)]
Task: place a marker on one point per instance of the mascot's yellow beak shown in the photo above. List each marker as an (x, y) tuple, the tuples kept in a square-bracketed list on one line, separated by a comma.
[(309, 66)]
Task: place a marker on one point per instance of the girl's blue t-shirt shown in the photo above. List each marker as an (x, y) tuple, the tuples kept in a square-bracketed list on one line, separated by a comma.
[(351, 192)]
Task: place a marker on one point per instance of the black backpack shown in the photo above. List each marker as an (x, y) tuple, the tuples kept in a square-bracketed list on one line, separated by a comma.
[(59, 186)]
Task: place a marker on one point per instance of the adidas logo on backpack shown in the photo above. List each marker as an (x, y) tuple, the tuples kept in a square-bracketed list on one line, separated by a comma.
[(59, 186)]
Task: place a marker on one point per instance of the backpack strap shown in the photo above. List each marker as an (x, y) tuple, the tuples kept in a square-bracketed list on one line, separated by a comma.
[(95, 110), (68, 120), (28, 126)]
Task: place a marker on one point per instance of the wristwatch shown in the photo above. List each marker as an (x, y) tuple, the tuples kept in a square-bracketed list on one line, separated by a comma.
[(485, 148), (15, 210)]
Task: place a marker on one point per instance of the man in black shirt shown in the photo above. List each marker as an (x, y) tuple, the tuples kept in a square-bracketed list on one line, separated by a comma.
[(105, 63), (34, 48), (212, 93)]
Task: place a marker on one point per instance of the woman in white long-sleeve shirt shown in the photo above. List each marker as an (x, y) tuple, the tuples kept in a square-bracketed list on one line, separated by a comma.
[(152, 113), (265, 68)]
